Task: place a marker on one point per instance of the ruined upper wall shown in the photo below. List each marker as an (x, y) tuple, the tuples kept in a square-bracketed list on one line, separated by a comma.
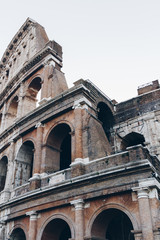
[(28, 41), (146, 101)]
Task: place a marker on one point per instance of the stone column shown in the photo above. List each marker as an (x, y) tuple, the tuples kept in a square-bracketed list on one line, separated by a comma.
[(5, 194), (9, 177), (32, 224), (20, 101), (79, 218), (2, 230), (4, 118), (44, 91), (78, 132), (145, 213), (38, 150), (35, 180)]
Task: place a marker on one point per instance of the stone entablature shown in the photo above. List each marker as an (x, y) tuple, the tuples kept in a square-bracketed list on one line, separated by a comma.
[(73, 162)]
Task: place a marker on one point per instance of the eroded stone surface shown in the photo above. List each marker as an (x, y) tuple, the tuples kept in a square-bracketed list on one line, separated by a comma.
[(73, 163)]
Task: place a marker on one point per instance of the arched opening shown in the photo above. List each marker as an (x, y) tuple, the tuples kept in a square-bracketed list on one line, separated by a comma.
[(17, 234), (112, 224), (12, 111), (3, 172), (24, 163), (57, 229), (33, 94), (132, 139), (0, 120), (106, 117), (58, 148)]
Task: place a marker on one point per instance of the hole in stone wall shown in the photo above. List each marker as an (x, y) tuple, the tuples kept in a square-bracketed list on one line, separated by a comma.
[(106, 117), (132, 139), (0, 120), (12, 111), (33, 94), (112, 224), (58, 148), (18, 234), (3, 172), (57, 229), (24, 166)]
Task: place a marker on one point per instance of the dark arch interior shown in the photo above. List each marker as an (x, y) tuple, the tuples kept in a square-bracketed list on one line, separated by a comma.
[(65, 154), (0, 119), (112, 224), (58, 152), (106, 117), (3, 172), (25, 158), (57, 229), (18, 234), (35, 87), (13, 107), (132, 139)]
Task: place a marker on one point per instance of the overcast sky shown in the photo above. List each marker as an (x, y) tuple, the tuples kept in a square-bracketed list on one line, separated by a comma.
[(114, 43)]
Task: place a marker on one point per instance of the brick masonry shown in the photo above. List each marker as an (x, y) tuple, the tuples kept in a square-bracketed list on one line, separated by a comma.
[(74, 164)]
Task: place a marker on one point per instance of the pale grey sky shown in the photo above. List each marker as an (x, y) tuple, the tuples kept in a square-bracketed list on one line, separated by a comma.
[(114, 43)]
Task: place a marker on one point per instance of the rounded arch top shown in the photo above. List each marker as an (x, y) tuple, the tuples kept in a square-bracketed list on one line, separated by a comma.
[(19, 230), (105, 115), (58, 216), (108, 207), (65, 122), (132, 139)]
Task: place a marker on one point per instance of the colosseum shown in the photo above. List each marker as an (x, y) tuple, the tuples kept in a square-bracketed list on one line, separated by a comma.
[(74, 164)]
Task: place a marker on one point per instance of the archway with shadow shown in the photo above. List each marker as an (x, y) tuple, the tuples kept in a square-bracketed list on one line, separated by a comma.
[(58, 148), (56, 229), (33, 94), (105, 115), (17, 234), (3, 172), (24, 163), (12, 111), (132, 139), (112, 224)]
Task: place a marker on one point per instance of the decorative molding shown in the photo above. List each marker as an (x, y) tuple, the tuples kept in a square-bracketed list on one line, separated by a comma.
[(78, 204)]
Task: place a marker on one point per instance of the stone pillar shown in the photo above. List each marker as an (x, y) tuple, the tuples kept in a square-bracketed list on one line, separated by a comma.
[(3, 121), (32, 224), (38, 150), (9, 177), (78, 132), (2, 230), (79, 218), (20, 101), (5, 194), (45, 85), (145, 213), (35, 181)]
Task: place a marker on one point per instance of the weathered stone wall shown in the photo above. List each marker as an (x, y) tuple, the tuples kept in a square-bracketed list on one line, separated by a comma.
[(112, 170)]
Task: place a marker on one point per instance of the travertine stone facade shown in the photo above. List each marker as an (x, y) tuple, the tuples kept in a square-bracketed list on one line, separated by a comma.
[(74, 164)]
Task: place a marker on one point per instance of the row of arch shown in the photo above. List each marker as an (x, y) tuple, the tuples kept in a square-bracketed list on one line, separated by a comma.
[(109, 224), (58, 154), (32, 96)]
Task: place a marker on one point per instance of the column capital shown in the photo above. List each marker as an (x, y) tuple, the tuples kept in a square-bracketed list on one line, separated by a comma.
[(78, 204), (33, 215), (39, 124), (142, 192)]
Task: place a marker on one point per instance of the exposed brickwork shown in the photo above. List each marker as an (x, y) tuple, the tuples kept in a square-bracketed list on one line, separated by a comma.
[(73, 163)]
